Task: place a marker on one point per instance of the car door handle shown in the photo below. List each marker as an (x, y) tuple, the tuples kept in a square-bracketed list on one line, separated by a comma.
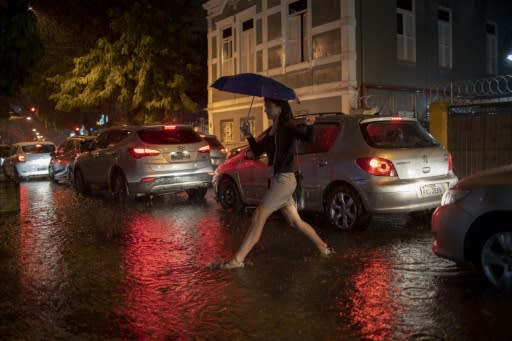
[(322, 163)]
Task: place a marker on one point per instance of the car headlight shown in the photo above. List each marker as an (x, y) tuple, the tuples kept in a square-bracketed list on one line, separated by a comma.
[(453, 195)]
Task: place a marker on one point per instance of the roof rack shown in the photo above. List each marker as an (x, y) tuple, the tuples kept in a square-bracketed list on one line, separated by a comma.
[(320, 114)]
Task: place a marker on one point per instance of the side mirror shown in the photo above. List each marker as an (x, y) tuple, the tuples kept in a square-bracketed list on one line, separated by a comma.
[(250, 155)]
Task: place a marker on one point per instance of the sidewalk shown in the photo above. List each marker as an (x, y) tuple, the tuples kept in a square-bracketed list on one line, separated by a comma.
[(9, 195)]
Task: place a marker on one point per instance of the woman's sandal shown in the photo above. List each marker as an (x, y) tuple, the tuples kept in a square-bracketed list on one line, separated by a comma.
[(328, 251), (232, 265)]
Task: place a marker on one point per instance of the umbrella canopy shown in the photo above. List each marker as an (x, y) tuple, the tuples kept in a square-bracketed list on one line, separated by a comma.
[(255, 85)]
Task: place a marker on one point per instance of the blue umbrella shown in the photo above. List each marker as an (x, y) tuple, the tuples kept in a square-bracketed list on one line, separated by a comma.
[(255, 85)]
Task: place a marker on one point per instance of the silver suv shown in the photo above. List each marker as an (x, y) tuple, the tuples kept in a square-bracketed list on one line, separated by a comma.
[(357, 166), (131, 161)]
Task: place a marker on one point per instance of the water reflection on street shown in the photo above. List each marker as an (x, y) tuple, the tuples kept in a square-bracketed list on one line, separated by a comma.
[(83, 268)]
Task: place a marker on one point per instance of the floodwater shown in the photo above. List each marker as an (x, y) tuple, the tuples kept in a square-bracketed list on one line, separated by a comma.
[(83, 268)]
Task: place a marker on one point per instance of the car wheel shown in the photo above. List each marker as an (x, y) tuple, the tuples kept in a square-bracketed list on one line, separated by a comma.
[(228, 195), (51, 174), (496, 258), (344, 208), (79, 183), (17, 177), (197, 193), (119, 188)]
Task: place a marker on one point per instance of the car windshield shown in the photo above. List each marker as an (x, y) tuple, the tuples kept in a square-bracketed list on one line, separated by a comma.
[(397, 134), (171, 135), (38, 148)]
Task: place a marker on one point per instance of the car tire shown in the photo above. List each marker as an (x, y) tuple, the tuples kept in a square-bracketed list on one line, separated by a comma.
[(197, 193), (51, 175), (344, 208), (17, 177), (228, 195), (495, 257), (79, 183), (119, 188)]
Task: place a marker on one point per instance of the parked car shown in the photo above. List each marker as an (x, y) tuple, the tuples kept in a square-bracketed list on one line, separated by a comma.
[(474, 224), (132, 161), (357, 166), (28, 160), (63, 159), (4, 152), (217, 151)]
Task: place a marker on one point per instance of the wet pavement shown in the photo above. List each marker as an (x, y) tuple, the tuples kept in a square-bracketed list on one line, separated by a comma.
[(83, 268)]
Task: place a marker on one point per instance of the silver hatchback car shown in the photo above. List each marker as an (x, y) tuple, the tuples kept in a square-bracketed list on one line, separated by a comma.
[(131, 161), (28, 160), (357, 166), (474, 225)]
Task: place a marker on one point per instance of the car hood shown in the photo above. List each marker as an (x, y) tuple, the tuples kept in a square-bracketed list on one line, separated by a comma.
[(501, 176)]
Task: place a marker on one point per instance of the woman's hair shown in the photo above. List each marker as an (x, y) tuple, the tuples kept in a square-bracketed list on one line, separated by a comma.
[(286, 110)]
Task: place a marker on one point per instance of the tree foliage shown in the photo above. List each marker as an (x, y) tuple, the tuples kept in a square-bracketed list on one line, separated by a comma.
[(145, 68), (20, 47)]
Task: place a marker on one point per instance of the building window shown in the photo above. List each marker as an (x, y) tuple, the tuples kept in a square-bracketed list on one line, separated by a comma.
[(444, 32), (491, 41), (405, 32), (275, 57), (226, 131), (228, 64), (252, 126), (247, 47), (297, 33)]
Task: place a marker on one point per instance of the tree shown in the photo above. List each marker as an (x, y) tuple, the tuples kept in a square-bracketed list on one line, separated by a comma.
[(20, 48), (144, 70)]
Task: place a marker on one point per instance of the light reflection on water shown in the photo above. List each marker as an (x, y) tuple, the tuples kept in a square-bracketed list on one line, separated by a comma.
[(167, 287), (84, 268)]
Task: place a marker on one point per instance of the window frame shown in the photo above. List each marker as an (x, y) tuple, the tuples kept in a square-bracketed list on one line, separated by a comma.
[(406, 35), (445, 43)]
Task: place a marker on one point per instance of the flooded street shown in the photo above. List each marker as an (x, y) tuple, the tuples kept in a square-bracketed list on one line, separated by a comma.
[(84, 268)]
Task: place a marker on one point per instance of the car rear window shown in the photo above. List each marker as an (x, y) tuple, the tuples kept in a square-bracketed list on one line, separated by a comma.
[(397, 134), (174, 135), (38, 148), (212, 141)]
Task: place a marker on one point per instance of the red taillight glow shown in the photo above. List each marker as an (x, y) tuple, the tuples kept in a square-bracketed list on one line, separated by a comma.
[(377, 166), (20, 158), (139, 152), (224, 150), (204, 149), (396, 118), (149, 179), (169, 127), (450, 162)]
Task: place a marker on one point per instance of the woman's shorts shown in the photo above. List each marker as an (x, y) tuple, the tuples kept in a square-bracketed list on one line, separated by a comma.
[(280, 193)]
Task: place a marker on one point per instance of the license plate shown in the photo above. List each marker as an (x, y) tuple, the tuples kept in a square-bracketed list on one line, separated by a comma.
[(431, 190), (180, 156)]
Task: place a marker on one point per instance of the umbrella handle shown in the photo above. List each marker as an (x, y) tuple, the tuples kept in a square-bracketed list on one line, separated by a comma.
[(250, 107)]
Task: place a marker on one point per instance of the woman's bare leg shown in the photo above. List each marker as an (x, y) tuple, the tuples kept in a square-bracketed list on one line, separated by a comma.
[(292, 215), (252, 236)]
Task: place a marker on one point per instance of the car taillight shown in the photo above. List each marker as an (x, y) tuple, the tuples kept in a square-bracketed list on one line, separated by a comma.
[(139, 152), (450, 162), (20, 158), (204, 149), (224, 150), (377, 166)]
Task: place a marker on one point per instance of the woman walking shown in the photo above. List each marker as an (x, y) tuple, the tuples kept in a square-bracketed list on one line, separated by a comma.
[(279, 144)]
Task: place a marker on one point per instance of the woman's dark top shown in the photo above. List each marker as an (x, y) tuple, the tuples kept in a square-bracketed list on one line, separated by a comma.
[(281, 146)]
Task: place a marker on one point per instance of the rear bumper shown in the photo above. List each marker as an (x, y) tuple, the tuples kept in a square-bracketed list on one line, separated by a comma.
[(170, 184), (383, 197)]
